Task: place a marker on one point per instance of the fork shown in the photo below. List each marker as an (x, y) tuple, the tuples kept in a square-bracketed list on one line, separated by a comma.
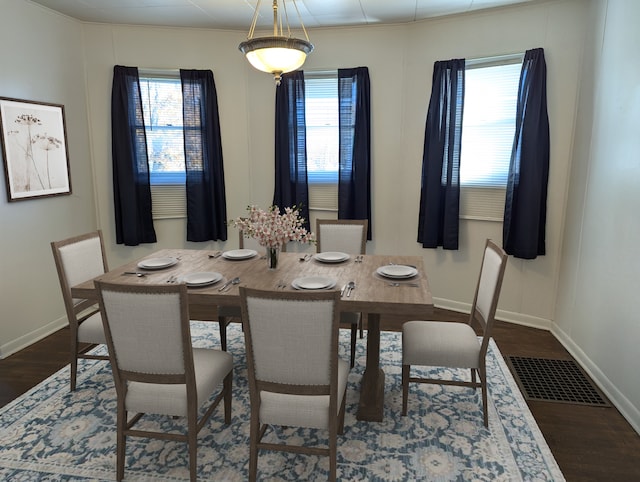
[(281, 285), (172, 279)]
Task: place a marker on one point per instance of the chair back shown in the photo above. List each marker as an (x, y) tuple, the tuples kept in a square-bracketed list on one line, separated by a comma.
[(147, 331), (78, 259), (344, 235), (291, 339), (485, 302)]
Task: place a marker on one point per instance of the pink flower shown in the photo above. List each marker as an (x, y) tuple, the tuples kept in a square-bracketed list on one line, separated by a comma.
[(272, 229)]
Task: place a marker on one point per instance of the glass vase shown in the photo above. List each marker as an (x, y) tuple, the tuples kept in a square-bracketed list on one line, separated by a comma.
[(272, 257)]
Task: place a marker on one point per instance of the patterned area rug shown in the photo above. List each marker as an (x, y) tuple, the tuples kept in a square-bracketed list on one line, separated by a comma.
[(51, 434)]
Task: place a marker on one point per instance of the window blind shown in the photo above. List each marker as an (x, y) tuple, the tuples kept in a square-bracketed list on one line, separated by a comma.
[(491, 94)]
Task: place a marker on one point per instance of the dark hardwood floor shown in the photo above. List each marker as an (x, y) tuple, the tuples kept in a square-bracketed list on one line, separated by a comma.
[(589, 443)]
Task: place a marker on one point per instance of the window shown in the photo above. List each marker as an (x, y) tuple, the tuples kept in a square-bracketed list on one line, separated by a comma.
[(321, 110), (488, 127), (162, 107)]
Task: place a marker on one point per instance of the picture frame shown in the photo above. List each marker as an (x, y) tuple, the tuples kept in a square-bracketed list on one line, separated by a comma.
[(34, 149)]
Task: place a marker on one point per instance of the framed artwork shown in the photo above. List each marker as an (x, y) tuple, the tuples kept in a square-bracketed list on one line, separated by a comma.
[(34, 149)]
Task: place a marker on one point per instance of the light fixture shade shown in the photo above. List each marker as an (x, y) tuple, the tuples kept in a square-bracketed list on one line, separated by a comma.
[(276, 55)]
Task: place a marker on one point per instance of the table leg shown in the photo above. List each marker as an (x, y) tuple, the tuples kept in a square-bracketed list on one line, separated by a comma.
[(371, 404)]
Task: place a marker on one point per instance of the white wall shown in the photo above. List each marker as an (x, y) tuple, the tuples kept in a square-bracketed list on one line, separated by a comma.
[(597, 316), (41, 60), (400, 59)]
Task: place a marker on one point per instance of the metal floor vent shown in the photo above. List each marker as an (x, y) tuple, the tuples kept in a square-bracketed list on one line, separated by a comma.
[(551, 380)]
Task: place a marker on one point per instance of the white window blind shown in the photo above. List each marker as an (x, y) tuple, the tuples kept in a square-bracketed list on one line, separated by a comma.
[(161, 93), (322, 129), (488, 127)]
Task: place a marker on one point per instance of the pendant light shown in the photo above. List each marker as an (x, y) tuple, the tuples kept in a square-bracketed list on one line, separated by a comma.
[(279, 53)]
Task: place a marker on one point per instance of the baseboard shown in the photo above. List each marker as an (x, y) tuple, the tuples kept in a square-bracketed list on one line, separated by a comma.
[(630, 412), (30, 338), (502, 315)]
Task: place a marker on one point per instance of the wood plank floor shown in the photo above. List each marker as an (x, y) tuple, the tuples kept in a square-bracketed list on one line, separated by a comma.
[(589, 443)]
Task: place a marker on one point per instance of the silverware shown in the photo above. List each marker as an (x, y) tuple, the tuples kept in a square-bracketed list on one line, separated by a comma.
[(306, 257), (281, 284), (359, 258), (396, 284), (215, 255), (172, 279), (233, 281), (351, 285), (137, 273)]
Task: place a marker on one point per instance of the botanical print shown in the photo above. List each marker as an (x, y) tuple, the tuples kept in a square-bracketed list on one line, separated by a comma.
[(34, 148)]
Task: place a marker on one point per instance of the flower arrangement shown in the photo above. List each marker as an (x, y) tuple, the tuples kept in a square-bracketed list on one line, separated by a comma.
[(272, 229)]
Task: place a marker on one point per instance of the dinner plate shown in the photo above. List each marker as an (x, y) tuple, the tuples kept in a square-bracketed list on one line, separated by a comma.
[(331, 257), (313, 283), (157, 263), (397, 271), (202, 278), (239, 254)]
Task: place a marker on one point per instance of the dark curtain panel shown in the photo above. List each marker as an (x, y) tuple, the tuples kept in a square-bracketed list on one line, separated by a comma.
[(291, 187), (206, 205), (525, 210), (131, 188), (354, 185), (440, 193)]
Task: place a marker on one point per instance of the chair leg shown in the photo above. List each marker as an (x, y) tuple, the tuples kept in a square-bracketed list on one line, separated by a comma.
[(74, 359), (405, 387), (341, 414), (361, 325), (120, 442), (192, 442), (482, 372), (354, 334), (333, 453), (254, 436), (74, 371), (223, 322), (227, 387)]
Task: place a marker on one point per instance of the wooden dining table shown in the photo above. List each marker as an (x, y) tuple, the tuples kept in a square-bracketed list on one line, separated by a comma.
[(373, 295)]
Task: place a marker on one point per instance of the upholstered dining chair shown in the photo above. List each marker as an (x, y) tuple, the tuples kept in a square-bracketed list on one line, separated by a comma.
[(296, 378), (346, 236), (155, 368), (228, 314), (455, 344), (77, 260)]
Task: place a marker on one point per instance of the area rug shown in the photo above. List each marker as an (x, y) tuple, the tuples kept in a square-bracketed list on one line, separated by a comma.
[(51, 434)]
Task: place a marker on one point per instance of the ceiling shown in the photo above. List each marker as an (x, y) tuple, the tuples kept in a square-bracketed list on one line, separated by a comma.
[(237, 14)]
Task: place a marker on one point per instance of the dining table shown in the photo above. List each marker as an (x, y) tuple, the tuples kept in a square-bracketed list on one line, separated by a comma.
[(381, 286)]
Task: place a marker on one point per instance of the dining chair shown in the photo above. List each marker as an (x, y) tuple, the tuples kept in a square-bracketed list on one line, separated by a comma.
[(155, 368), (456, 344), (296, 378), (228, 314), (346, 236), (78, 259)]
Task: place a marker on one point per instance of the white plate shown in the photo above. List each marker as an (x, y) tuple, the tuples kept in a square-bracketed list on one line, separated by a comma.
[(397, 271), (313, 283), (239, 254), (331, 257), (157, 263), (202, 278)]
